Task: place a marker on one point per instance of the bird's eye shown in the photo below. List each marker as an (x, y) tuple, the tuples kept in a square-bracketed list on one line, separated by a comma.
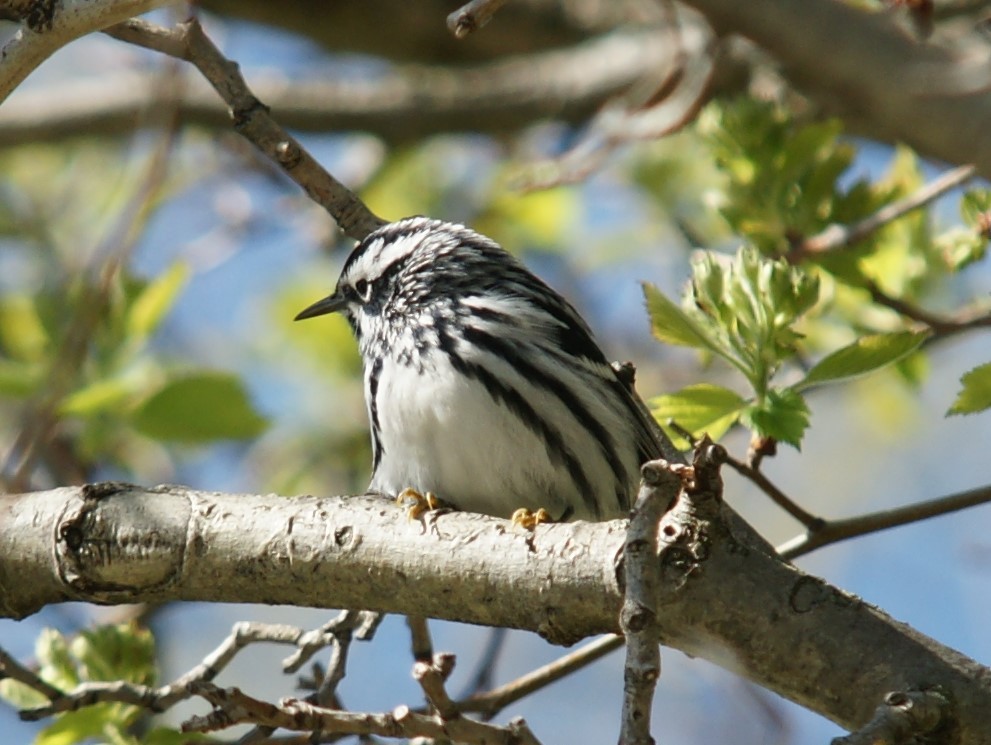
[(363, 288)]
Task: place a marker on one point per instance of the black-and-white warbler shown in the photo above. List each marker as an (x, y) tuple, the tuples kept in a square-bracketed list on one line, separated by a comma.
[(483, 385)]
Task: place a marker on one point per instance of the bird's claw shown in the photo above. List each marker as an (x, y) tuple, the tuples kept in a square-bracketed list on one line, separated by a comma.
[(420, 502), (530, 520)]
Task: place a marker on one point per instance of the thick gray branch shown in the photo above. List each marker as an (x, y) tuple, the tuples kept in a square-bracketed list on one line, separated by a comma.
[(719, 599), (862, 67)]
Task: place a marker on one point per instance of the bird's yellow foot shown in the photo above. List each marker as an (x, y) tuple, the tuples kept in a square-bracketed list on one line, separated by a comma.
[(530, 520), (420, 503)]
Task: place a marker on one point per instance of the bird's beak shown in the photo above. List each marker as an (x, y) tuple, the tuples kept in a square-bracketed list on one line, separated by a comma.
[(330, 304)]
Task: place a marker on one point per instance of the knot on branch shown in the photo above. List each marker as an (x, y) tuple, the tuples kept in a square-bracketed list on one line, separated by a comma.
[(921, 716)]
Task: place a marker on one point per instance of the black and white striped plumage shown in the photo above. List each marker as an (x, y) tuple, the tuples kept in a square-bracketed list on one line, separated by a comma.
[(483, 385)]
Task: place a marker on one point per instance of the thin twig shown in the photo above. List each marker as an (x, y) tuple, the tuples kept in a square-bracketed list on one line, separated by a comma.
[(654, 110), (421, 643), (231, 707), (481, 680), (492, 702), (163, 697), (834, 531), (11, 668), (777, 496), (836, 237), (942, 326), (252, 119)]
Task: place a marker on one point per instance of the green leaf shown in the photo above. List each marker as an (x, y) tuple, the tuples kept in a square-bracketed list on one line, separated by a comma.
[(783, 415), (19, 379), (155, 300), (55, 663), (702, 408), (200, 408), (22, 334), (19, 695), (975, 393), (97, 397), (672, 325), (866, 354), (118, 652)]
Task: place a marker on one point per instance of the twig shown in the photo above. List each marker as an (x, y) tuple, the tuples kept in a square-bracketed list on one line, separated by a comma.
[(431, 675), (484, 673), (231, 707), (46, 27), (661, 108), (163, 697), (422, 644), (638, 618), (11, 668), (836, 237), (472, 16), (834, 531), (781, 499), (942, 326), (252, 119), (491, 702)]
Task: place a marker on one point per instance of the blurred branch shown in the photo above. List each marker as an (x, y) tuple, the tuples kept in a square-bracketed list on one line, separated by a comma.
[(942, 326), (402, 104), (660, 104), (837, 237), (37, 438), (494, 701), (863, 68)]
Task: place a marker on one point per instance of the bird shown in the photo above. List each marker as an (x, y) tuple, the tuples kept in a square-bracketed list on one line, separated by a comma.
[(484, 387)]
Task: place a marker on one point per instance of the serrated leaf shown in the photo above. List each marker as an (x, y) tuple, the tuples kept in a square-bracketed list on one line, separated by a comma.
[(783, 415), (866, 354), (200, 408), (702, 408), (672, 325), (975, 391), (155, 300)]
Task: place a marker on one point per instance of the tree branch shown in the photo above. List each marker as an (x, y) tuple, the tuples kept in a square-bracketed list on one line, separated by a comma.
[(48, 25), (825, 532), (253, 121), (836, 237), (864, 69), (719, 598)]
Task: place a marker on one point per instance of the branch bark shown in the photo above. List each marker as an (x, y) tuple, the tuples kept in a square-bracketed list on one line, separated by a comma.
[(863, 68), (719, 598)]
